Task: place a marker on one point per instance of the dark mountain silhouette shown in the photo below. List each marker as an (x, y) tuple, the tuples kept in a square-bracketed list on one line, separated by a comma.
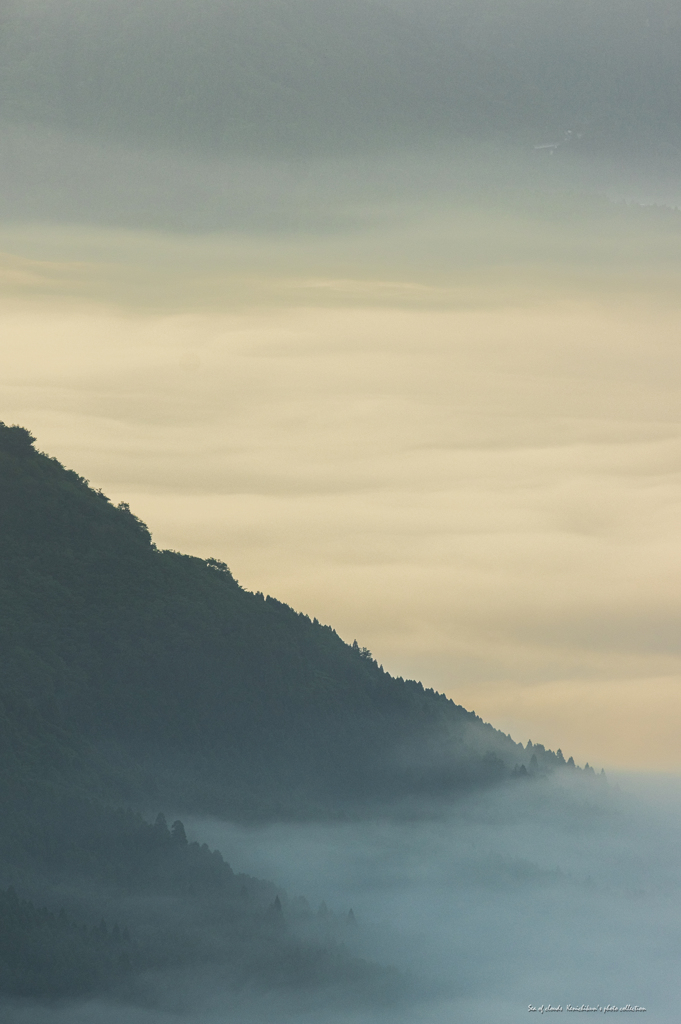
[(136, 678), (133, 674)]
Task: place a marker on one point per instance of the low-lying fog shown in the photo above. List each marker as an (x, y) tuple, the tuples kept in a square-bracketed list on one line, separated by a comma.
[(540, 893)]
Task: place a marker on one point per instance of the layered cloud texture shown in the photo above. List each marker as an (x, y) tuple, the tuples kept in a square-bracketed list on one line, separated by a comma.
[(296, 281)]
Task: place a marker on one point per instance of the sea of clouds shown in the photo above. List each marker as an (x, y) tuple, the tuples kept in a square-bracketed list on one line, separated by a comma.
[(562, 894)]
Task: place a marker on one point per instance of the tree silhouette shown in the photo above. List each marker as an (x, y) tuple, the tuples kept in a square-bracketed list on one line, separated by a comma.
[(178, 834)]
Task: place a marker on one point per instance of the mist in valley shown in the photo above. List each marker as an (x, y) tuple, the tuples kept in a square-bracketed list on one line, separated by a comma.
[(377, 301), (561, 891)]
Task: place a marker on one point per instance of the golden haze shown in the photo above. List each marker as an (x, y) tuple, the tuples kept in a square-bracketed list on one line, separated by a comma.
[(476, 474)]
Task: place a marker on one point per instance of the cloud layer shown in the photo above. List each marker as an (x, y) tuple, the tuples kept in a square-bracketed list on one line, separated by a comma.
[(294, 281), (467, 455), (208, 114), (339, 77)]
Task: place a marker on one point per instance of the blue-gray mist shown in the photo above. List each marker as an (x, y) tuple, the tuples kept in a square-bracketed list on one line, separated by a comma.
[(562, 892)]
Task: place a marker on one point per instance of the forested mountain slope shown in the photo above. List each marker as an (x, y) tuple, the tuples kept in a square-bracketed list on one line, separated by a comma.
[(137, 680), (150, 677)]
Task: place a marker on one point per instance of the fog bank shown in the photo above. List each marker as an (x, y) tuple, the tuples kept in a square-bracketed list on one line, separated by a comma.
[(542, 893)]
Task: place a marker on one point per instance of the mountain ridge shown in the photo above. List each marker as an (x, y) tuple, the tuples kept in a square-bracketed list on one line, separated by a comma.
[(133, 679), (156, 675)]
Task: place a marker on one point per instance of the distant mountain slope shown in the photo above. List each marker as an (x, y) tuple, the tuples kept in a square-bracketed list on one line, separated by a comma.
[(148, 676)]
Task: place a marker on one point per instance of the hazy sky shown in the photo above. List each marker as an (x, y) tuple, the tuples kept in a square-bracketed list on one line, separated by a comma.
[(293, 280)]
